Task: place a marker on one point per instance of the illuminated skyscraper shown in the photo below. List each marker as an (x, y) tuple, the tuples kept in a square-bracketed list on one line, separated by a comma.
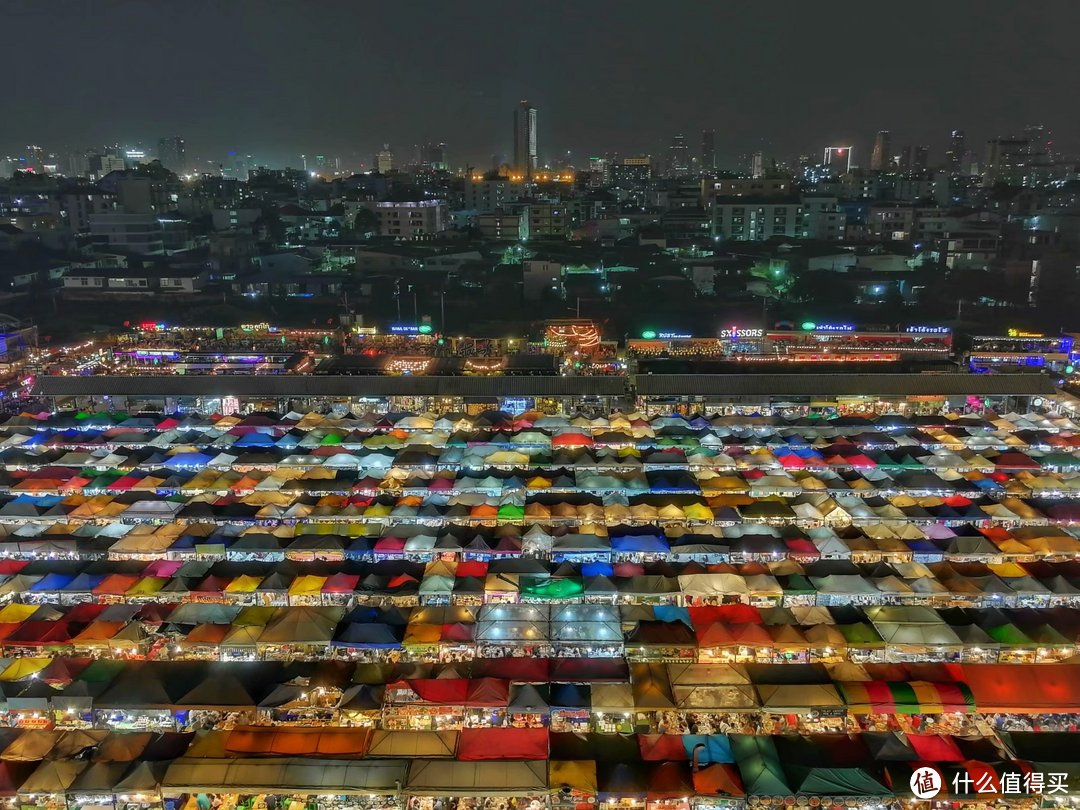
[(708, 149), (172, 153), (757, 165), (678, 157), (384, 160), (838, 158), (880, 158), (955, 155), (525, 141)]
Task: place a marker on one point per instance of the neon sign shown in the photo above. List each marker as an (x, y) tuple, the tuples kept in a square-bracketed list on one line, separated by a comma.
[(674, 336), (583, 335), (735, 333), (928, 330), (834, 327)]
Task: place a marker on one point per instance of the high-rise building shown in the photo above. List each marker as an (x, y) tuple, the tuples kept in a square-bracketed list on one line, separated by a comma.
[(1039, 144), (955, 155), (384, 159), (599, 171), (678, 157), (101, 165), (630, 172), (35, 158), (525, 139), (914, 158), (1007, 161), (239, 166), (920, 158), (881, 157), (708, 149), (172, 153), (838, 158), (433, 155), (757, 165)]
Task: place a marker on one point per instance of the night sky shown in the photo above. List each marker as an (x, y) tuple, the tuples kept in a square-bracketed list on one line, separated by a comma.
[(276, 78)]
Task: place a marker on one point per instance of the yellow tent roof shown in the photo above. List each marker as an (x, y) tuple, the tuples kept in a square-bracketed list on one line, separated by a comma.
[(23, 668), (307, 585), (245, 583), (147, 586), (17, 612), (254, 616), (422, 634)]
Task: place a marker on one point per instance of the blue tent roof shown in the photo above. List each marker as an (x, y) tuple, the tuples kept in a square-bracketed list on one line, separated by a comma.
[(644, 543), (672, 613), (52, 582), (717, 748), (187, 460), (255, 440), (373, 636), (84, 582), (570, 696), (597, 569)]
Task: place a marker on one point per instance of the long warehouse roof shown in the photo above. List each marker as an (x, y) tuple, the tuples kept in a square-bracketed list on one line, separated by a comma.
[(742, 385), (296, 385), (750, 385)]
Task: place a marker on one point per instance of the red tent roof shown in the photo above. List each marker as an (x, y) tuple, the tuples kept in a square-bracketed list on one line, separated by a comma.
[(662, 747), (502, 743)]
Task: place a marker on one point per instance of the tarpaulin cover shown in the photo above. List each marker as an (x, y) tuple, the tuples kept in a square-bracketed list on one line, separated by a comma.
[(462, 691), (447, 778), (519, 670), (576, 774), (915, 697), (715, 748), (589, 669), (669, 780), (1024, 688), (935, 747), (662, 747), (502, 743), (620, 780), (718, 780), (759, 765), (289, 742)]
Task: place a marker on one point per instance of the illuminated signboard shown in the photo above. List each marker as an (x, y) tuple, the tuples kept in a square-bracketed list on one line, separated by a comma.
[(674, 336), (156, 353), (649, 334), (735, 333), (408, 329), (834, 327), (928, 330), (1022, 334)]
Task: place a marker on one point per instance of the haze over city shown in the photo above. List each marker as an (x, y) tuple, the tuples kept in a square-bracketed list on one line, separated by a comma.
[(343, 78)]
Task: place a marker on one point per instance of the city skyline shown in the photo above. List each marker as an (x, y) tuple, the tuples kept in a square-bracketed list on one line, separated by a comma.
[(612, 81)]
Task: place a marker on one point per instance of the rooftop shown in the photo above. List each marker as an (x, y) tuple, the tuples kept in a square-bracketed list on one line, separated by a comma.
[(741, 385)]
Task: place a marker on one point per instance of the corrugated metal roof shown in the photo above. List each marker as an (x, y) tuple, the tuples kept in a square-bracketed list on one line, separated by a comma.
[(288, 385), (764, 385), (740, 385)]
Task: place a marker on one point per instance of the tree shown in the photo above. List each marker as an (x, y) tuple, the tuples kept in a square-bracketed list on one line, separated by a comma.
[(366, 221), (269, 222), (776, 276)]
